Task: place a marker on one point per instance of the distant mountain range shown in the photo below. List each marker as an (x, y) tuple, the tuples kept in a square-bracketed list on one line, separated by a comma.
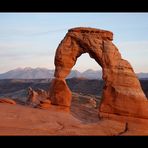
[(43, 73), (142, 75)]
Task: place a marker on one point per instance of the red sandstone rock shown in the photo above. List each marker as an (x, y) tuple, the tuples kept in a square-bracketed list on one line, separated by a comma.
[(35, 97), (22, 120), (122, 93), (45, 104), (7, 100), (59, 92)]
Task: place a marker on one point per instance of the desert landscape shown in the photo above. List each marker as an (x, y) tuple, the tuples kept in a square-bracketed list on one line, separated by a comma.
[(114, 105), (82, 110)]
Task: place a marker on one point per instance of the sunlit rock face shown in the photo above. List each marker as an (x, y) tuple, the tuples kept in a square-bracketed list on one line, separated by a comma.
[(122, 93), (7, 101), (60, 94), (36, 97)]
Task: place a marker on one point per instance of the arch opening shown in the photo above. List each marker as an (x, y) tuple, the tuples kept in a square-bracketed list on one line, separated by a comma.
[(86, 88), (86, 71), (86, 62)]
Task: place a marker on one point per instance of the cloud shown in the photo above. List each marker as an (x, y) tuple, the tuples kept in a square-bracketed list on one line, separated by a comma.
[(24, 48), (30, 31), (24, 55), (6, 46), (16, 61)]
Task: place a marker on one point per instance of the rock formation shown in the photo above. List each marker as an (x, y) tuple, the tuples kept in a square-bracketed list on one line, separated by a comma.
[(122, 93), (93, 102), (7, 100), (45, 104), (37, 97), (60, 94)]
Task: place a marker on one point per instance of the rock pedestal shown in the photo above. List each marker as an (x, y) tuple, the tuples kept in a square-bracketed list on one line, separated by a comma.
[(60, 94)]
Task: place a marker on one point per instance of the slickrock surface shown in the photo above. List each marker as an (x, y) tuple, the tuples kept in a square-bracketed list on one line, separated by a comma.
[(24, 120)]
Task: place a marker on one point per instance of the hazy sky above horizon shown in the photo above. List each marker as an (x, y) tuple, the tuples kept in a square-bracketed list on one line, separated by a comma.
[(31, 39)]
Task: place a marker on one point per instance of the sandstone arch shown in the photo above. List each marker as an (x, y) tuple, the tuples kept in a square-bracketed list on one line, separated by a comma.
[(122, 93)]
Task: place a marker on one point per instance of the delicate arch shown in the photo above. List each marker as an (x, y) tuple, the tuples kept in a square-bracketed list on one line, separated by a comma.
[(122, 93)]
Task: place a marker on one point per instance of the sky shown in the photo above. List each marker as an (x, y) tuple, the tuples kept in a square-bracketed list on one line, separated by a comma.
[(31, 39)]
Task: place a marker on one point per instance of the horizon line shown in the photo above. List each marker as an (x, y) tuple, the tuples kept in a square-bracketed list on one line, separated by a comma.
[(81, 71)]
